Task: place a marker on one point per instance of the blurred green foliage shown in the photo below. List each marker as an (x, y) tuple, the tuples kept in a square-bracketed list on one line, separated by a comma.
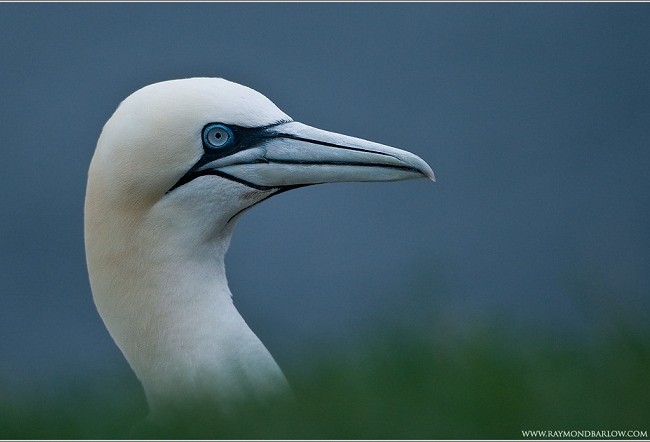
[(489, 383)]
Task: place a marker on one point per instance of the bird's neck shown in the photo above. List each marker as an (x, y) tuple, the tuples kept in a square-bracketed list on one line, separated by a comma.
[(163, 294)]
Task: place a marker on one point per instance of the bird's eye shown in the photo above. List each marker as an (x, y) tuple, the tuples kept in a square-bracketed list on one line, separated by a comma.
[(218, 136)]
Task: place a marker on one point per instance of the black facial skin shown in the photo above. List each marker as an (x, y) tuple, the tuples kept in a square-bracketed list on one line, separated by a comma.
[(244, 138)]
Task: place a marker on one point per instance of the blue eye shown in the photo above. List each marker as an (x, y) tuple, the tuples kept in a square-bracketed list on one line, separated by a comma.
[(218, 136)]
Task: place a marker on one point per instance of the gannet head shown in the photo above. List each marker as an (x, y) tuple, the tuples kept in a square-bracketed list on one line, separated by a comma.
[(226, 146), (174, 167)]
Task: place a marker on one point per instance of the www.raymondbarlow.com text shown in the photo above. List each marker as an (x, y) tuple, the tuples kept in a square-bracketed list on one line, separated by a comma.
[(595, 434)]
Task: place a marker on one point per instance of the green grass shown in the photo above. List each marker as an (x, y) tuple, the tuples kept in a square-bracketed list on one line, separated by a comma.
[(483, 385)]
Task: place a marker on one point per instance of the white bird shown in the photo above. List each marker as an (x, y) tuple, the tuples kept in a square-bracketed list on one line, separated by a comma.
[(174, 168)]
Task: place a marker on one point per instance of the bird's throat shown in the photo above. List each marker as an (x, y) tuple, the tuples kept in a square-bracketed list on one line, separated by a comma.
[(164, 296)]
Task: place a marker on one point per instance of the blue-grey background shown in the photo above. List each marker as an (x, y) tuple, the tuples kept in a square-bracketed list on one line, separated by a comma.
[(535, 118)]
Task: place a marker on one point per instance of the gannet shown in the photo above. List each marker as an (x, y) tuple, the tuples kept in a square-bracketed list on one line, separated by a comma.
[(174, 168)]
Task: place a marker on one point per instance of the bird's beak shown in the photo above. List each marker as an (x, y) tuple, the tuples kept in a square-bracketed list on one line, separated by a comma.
[(294, 154)]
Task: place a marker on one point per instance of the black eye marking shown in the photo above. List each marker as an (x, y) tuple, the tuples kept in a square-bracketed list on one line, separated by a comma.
[(221, 140)]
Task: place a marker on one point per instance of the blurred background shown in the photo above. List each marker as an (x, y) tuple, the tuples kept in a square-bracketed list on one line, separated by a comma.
[(527, 263)]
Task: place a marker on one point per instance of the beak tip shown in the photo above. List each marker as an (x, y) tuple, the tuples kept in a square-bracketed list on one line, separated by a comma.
[(426, 171), (418, 164)]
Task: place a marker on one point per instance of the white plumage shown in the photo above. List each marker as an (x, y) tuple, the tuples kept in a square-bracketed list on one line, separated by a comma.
[(174, 168)]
